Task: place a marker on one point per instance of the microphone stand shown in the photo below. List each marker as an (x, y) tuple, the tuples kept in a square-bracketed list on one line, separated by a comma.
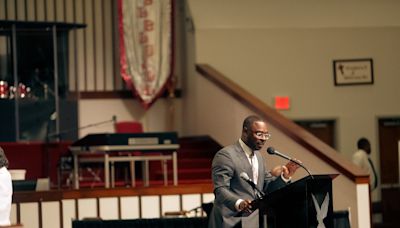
[(59, 134)]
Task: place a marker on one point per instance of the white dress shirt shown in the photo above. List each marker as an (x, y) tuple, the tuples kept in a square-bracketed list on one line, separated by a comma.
[(5, 196)]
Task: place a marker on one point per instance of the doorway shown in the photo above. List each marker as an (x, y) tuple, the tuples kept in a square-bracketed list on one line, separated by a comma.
[(322, 129), (389, 149)]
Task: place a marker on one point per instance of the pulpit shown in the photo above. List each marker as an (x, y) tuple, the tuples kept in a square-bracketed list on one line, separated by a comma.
[(304, 203)]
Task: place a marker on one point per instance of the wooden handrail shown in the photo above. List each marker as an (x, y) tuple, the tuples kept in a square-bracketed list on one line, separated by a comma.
[(288, 127)]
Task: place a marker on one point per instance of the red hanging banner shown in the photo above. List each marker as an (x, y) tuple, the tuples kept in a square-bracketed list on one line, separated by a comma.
[(146, 46)]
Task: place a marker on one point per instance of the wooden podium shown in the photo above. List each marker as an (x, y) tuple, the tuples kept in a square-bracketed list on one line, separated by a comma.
[(299, 204)]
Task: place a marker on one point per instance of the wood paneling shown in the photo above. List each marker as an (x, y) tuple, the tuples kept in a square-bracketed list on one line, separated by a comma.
[(91, 51)]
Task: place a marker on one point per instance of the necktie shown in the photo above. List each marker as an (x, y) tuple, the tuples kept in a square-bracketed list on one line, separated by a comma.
[(375, 184), (253, 169)]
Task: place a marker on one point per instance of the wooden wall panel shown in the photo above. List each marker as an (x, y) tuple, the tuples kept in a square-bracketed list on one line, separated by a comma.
[(59, 8), (49, 10), (30, 10), (109, 208), (10, 11), (20, 10), (40, 10), (208, 197), (13, 215), (150, 206), (98, 50), (130, 207), (91, 61), (88, 46), (80, 48), (30, 214), (170, 203), (69, 11), (51, 214), (109, 45), (68, 212), (3, 9), (191, 201), (87, 208)]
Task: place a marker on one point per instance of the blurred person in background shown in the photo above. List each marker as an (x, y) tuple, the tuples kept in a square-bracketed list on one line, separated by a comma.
[(5, 190)]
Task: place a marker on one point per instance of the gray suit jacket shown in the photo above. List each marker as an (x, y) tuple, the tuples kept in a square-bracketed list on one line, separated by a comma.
[(227, 166)]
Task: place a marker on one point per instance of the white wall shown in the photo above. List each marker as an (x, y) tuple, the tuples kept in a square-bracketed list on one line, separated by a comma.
[(164, 115)]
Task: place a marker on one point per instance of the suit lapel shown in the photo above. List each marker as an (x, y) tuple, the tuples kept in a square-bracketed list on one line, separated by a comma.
[(245, 164)]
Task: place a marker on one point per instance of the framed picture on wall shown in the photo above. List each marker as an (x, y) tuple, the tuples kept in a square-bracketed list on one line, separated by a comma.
[(353, 72)]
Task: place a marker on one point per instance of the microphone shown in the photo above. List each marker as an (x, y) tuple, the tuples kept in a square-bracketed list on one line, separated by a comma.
[(114, 119), (246, 178), (272, 151)]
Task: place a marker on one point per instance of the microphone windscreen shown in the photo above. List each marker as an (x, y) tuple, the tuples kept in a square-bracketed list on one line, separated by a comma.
[(271, 150), (244, 176)]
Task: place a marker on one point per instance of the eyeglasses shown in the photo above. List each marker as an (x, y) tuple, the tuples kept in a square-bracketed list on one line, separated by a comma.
[(260, 134)]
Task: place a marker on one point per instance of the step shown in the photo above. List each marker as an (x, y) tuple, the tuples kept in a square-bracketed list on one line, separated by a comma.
[(194, 163), (184, 174), (195, 153), (183, 163)]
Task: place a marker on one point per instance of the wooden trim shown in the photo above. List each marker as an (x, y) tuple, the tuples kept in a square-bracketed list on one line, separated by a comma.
[(104, 44), (40, 214), (94, 42), (292, 130), (160, 205), (26, 9), (362, 180), (85, 54), (55, 10), (180, 203), (119, 208), (115, 45), (61, 214), (45, 12), (18, 212), (76, 209), (16, 10), (140, 206), (5, 9), (98, 206)]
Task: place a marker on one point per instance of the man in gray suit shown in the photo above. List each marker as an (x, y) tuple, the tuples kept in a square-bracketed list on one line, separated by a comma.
[(234, 195)]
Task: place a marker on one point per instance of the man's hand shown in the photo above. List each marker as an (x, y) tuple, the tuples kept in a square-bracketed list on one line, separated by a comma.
[(245, 205), (289, 169), (277, 171)]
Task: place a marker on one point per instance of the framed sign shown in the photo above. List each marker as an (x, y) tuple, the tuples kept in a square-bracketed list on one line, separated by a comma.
[(353, 72)]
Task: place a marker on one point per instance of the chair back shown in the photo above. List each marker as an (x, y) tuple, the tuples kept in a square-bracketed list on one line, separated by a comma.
[(128, 127)]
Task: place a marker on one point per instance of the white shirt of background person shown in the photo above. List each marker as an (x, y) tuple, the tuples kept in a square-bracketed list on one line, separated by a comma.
[(5, 196)]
